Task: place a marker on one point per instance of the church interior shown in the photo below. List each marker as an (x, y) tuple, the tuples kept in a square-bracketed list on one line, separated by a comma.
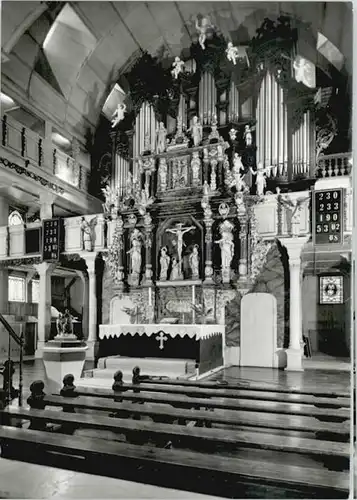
[(176, 253)]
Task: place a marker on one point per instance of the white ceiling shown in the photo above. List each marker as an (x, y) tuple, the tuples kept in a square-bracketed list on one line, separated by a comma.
[(96, 40)]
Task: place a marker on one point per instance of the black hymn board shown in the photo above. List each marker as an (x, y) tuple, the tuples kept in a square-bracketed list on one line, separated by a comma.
[(51, 241), (328, 217)]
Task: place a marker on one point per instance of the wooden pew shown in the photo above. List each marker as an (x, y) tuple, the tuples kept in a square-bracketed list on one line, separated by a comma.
[(242, 418), (114, 457), (222, 392), (255, 386), (205, 438), (178, 401)]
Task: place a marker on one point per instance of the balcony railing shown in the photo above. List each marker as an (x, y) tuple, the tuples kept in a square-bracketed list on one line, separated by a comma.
[(32, 147), (334, 165)]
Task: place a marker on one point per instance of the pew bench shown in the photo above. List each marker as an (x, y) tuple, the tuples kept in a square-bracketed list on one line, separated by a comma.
[(221, 392), (183, 401), (335, 455), (185, 468), (255, 386), (241, 418)]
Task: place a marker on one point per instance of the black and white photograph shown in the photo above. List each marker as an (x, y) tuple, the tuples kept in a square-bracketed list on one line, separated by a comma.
[(177, 254)]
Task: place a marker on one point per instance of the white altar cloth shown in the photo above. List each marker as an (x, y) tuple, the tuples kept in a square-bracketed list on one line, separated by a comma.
[(192, 331)]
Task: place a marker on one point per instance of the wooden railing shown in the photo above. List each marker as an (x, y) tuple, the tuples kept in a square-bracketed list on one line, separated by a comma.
[(334, 165), (32, 147)]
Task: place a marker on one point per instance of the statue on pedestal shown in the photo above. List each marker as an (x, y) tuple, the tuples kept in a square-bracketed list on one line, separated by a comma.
[(260, 180), (195, 168), (196, 130), (135, 256), (163, 173), (194, 262), (164, 264), (175, 271), (161, 138), (227, 249), (248, 138), (87, 233), (64, 325)]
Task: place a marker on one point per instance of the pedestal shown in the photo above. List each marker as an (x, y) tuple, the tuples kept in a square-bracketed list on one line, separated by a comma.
[(62, 357), (294, 359)]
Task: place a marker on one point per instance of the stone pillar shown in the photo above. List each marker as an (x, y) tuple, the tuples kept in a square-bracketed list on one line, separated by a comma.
[(44, 271), (148, 246), (85, 309), (208, 243), (4, 212), (92, 340), (4, 290), (46, 201), (295, 350)]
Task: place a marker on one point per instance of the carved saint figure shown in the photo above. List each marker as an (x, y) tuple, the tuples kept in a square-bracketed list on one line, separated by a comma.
[(161, 138), (195, 167), (194, 261), (226, 244), (175, 271), (232, 53), (163, 173), (248, 135), (202, 30), (135, 252), (118, 115), (164, 264), (196, 130), (87, 233), (177, 66), (238, 167), (179, 231), (260, 180)]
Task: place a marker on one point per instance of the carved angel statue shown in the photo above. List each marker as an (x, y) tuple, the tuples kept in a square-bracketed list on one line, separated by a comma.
[(196, 130), (110, 198), (88, 233), (161, 138), (232, 134), (144, 201), (202, 29), (177, 67), (325, 136), (118, 115), (232, 53), (132, 312), (260, 180), (294, 206), (248, 138)]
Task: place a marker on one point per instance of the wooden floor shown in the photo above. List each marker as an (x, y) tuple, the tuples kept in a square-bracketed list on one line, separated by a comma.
[(307, 382)]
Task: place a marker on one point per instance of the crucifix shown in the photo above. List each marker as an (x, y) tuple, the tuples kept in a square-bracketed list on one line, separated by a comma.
[(179, 231), (161, 338)]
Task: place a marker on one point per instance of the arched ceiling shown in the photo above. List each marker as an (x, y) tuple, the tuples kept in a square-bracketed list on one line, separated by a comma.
[(89, 56)]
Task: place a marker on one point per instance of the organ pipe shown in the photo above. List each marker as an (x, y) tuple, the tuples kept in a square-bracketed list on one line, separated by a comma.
[(233, 106), (121, 173), (207, 98)]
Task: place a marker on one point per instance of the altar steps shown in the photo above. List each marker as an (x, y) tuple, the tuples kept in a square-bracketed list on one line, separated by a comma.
[(159, 367)]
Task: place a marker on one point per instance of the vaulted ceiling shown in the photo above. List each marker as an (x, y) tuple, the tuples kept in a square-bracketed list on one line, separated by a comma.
[(95, 41)]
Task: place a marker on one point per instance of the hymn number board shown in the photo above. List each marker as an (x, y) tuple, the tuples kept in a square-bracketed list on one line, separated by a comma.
[(328, 217), (51, 242)]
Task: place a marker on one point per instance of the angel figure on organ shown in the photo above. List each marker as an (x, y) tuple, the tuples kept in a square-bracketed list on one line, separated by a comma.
[(177, 66), (164, 264), (118, 115), (196, 130), (202, 30), (232, 53), (248, 137), (194, 261), (261, 181), (135, 252), (161, 138)]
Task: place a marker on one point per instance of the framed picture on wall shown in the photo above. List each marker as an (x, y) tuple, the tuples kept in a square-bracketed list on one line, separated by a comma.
[(331, 289)]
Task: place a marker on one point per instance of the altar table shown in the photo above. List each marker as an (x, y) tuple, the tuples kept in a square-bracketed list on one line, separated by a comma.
[(202, 343)]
